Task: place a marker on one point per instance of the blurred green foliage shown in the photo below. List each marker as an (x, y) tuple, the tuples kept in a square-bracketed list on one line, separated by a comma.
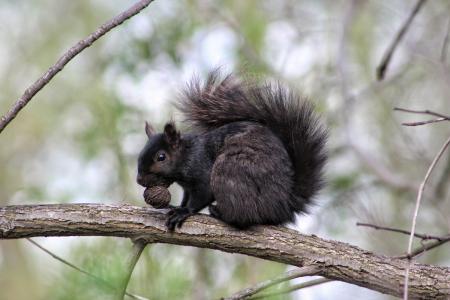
[(78, 139)]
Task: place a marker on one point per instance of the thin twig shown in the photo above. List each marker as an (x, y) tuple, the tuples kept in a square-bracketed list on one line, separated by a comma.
[(416, 211), (425, 112), (246, 293), (424, 122), (418, 235), (294, 287), (138, 247), (381, 69), (31, 91), (96, 278), (424, 247)]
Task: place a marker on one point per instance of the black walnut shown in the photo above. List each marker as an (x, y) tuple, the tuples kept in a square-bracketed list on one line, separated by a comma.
[(157, 196)]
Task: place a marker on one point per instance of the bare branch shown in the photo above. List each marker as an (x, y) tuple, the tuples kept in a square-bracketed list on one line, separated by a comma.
[(416, 210), (426, 112), (424, 122), (246, 293), (96, 278), (293, 288), (335, 260), (31, 91), (419, 235), (381, 69), (440, 240), (425, 247), (138, 247)]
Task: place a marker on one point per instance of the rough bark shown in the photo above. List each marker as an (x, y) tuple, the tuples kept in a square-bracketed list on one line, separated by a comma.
[(335, 260)]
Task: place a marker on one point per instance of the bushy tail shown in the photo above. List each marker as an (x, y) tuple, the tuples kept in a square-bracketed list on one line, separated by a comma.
[(224, 100)]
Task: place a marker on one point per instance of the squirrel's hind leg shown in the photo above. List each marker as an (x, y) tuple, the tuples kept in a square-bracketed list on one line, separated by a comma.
[(252, 180)]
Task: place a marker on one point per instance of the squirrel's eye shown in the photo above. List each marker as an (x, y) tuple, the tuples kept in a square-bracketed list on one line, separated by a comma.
[(161, 156)]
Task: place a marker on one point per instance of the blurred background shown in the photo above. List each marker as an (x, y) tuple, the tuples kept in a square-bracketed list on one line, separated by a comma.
[(77, 141)]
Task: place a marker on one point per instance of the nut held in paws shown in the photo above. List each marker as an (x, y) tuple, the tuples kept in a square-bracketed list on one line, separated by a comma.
[(157, 196)]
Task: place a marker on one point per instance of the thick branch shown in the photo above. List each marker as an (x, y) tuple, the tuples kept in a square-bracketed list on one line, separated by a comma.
[(334, 260)]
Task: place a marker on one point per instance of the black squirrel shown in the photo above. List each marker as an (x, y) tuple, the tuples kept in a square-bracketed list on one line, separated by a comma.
[(257, 150)]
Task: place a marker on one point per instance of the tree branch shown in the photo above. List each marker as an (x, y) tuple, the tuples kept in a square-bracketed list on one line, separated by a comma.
[(381, 69), (424, 122), (96, 278), (416, 210), (422, 236), (424, 112), (335, 260), (246, 293), (66, 57), (439, 240), (138, 247), (424, 247), (293, 288)]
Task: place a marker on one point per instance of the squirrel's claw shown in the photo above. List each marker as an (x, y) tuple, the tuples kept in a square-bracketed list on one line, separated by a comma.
[(177, 216)]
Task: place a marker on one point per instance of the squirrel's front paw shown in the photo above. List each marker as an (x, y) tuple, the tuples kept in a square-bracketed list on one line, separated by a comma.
[(177, 216)]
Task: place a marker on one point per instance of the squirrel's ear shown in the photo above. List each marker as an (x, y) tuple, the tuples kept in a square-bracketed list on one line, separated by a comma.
[(171, 135), (149, 130)]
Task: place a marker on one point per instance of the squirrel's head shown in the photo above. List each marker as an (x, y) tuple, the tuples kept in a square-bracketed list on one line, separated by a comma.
[(157, 162)]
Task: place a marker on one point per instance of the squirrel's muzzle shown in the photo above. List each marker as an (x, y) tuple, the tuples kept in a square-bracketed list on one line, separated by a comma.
[(150, 180)]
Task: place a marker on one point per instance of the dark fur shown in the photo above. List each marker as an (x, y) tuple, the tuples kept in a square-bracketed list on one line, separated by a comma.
[(258, 151)]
